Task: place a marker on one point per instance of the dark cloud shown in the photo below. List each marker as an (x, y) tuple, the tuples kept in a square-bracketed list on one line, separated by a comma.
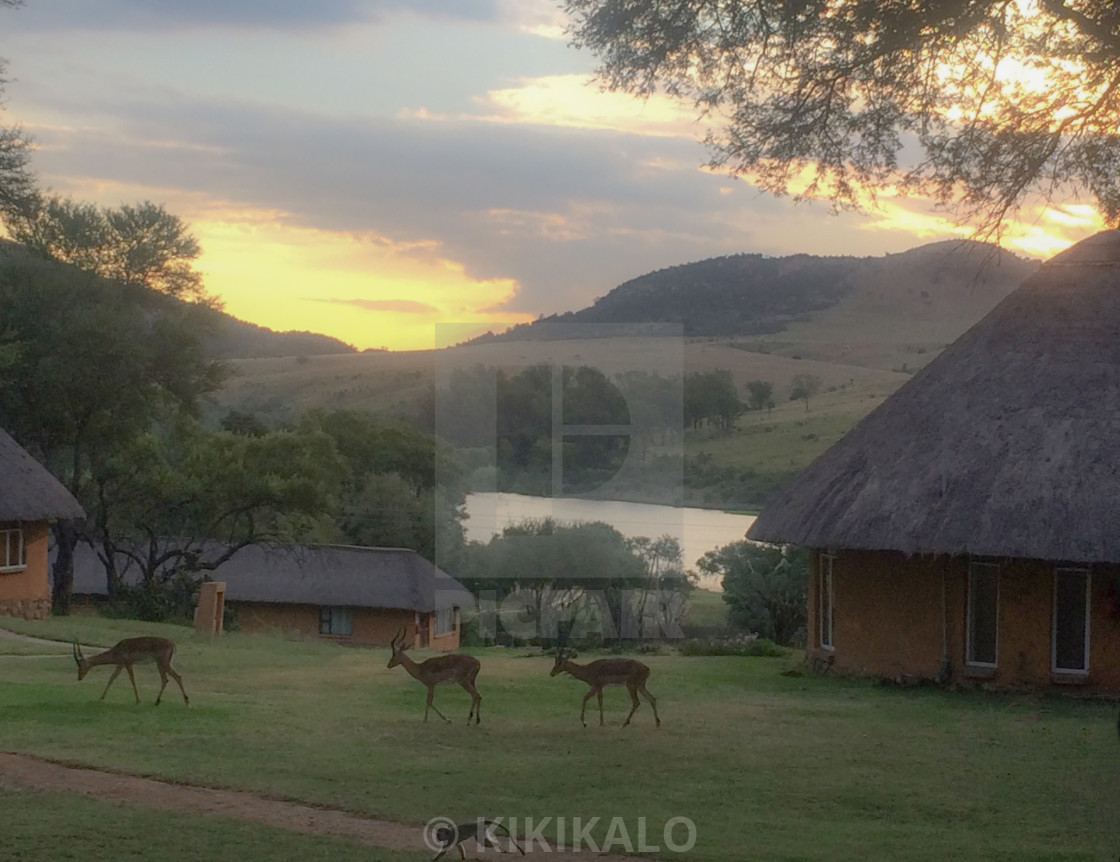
[(568, 213), (152, 15)]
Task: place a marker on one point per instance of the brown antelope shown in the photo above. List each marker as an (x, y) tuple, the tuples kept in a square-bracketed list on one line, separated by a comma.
[(435, 671), (608, 671), (128, 652)]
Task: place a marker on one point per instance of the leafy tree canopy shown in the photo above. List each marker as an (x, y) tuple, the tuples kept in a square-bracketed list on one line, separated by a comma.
[(17, 184), (764, 587), (979, 103), (133, 244)]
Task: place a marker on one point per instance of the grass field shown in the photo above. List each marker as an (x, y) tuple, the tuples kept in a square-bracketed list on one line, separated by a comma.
[(773, 446), (768, 766), (57, 826)]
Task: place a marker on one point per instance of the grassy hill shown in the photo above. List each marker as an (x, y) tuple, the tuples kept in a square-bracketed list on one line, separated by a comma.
[(870, 310), (861, 336), (237, 339)]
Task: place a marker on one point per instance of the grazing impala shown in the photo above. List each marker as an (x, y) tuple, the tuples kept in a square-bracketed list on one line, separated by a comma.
[(127, 653), (436, 671), (608, 671)]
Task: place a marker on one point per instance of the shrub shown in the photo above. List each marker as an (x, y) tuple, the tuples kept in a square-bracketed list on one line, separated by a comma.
[(742, 644), (764, 586)]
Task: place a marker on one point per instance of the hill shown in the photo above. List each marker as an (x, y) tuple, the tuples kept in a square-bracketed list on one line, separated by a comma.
[(858, 326), (238, 339), (230, 338), (834, 307)]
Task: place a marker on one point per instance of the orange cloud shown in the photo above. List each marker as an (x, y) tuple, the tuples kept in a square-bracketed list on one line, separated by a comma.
[(577, 101)]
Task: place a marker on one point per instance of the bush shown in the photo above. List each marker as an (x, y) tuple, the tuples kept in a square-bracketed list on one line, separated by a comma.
[(765, 587), (743, 645), (173, 600)]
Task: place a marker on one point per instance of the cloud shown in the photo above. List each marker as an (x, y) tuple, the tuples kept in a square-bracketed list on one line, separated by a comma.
[(564, 212), (159, 15), (577, 100), (404, 306)]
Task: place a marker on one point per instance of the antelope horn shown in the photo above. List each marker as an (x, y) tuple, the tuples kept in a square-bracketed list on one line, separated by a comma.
[(77, 652), (398, 639)]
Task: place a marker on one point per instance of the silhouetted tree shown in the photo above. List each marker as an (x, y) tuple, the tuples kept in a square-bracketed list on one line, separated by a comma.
[(830, 98)]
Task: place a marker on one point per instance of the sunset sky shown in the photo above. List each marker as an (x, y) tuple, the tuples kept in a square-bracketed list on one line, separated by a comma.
[(370, 168)]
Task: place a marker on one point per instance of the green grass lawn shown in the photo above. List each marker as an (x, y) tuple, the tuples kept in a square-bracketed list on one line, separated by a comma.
[(707, 612), (63, 826), (768, 766)]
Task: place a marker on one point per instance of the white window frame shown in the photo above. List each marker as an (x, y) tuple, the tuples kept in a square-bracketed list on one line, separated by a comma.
[(826, 607), (330, 615), (447, 615), (7, 535), (969, 660), (1054, 622)]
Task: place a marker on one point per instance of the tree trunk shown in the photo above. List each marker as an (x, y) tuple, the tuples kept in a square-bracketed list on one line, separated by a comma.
[(65, 539)]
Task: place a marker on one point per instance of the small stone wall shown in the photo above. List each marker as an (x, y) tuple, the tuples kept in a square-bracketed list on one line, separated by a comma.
[(29, 609)]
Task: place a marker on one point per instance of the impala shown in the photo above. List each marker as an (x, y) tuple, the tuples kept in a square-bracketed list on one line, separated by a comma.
[(128, 652), (608, 671), (436, 671)]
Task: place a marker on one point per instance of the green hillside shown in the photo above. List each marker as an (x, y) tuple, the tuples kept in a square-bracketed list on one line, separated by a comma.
[(858, 327)]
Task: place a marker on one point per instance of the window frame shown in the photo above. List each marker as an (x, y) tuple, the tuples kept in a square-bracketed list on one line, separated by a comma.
[(968, 650), (449, 614), (1069, 671), (6, 564), (332, 615), (826, 601)]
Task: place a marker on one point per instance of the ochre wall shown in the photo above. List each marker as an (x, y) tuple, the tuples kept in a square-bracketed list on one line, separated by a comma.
[(891, 620), (372, 626), (27, 593)]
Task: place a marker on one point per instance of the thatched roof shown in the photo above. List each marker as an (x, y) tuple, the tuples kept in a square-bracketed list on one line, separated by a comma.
[(1006, 445), (322, 575), (28, 492)]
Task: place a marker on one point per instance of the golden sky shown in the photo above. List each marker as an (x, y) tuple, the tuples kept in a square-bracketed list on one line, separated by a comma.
[(369, 170)]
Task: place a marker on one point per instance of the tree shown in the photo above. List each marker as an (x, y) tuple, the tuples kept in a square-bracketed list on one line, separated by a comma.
[(177, 502), (711, 396), (555, 575), (1000, 99), (804, 387), (760, 394), (402, 487), (661, 604), (142, 244), (764, 586), (90, 365), (17, 184)]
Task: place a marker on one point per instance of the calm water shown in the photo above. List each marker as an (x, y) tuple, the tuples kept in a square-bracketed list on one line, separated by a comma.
[(698, 530)]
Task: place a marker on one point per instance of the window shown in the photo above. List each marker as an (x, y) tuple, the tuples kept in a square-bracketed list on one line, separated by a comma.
[(1070, 639), (824, 600), (12, 552), (445, 621), (983, 614), (336, 621)]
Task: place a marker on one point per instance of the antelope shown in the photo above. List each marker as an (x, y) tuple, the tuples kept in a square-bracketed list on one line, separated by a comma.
[(481, 830), (608, 671), (125, 654), (435, 671)]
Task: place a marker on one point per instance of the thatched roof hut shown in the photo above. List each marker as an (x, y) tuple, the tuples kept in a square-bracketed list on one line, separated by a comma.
[(319, 575), (28, 492), (1005, 445)]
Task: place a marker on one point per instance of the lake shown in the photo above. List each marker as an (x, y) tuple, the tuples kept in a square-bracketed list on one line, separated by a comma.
[(697, 530)]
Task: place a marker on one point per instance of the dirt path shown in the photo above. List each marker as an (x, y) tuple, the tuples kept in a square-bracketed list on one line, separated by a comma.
[(33, 772)]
